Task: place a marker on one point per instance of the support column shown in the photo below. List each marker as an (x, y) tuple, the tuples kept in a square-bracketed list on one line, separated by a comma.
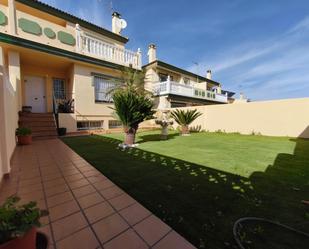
[(4, 144), (14, 76), (12, 17)]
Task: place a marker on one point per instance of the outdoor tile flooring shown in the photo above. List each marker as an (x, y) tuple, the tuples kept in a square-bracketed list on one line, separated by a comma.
[(86, 210)]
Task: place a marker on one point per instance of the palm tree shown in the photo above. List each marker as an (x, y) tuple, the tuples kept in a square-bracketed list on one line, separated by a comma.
[(133, 103), (185, 118), (131, 80), (132, 108)]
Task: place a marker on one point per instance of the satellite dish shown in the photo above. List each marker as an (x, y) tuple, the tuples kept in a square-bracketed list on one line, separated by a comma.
[(121, 23)]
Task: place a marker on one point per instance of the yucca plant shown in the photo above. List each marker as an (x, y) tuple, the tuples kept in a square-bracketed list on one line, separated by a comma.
[(185, 118), (132, 108)]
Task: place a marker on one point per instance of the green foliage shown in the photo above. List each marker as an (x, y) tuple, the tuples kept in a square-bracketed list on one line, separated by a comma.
[(15, 220), (132, 108), (23, 131), (185, 118), (66, 106), (131, 80)]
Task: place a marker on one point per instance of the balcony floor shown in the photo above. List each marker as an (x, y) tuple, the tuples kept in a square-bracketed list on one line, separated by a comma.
[(86, 210)]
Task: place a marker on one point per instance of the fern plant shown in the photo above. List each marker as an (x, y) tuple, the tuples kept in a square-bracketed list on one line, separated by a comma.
[(132, 108), (185, 118)]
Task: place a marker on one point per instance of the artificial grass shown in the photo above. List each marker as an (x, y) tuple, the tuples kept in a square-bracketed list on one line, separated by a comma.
[(201, 184)]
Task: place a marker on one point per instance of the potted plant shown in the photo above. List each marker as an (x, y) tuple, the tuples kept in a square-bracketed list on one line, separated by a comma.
[(132, 108), (62, 131), (24, 136), (132, 102), (185, 118), (18, 224), (66, 106), (27, 109), (164, 121)]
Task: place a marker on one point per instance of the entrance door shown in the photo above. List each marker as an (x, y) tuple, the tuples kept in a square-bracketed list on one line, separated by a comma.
[(35, 93)]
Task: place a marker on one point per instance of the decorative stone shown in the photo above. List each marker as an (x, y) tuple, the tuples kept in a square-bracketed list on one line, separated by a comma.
[(66, 38), (30, 27), (125, 146), (50, 33), (3, 19)]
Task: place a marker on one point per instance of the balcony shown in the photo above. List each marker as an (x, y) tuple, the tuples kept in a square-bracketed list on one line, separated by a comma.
[(172, 87), (67, 36), (100, 49)]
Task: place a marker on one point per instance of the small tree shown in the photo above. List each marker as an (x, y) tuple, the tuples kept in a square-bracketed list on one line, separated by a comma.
[(132, 108), (185, 118)]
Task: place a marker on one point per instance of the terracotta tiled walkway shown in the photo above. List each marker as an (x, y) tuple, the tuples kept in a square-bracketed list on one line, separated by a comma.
[(86, 210)]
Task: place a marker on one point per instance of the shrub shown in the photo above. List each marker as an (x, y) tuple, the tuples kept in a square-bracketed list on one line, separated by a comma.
[(15, 220), (66, 106), (185, 118)]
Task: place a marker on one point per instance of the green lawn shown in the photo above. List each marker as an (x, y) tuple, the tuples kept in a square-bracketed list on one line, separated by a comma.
[(201, 184)]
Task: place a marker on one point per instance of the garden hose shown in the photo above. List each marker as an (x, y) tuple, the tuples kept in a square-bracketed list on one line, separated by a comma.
[(238, 222)]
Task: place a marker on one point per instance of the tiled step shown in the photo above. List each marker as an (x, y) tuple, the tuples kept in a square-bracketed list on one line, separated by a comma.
[(42, 128), (34, 115), (43, 125), (37, 123), (37, 119), (44, 137), (44, 133)]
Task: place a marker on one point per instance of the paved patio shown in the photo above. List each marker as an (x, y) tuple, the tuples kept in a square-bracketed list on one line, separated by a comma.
[(86, 210)]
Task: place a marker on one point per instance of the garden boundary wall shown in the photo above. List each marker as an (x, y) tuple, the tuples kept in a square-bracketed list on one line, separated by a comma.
[(287, 117)]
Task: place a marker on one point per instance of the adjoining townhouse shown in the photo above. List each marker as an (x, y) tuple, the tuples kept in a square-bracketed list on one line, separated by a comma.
[(48, 56), (176, 87)]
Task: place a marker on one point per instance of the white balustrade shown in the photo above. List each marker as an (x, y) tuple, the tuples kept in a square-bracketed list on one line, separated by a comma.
[(103, 50), (172, 87)]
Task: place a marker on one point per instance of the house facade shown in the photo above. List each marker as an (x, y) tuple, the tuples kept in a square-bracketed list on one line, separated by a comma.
[(49, 57), (175, 87)]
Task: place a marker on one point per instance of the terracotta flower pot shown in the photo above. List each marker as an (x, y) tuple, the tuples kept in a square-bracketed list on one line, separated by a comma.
[(129, 138), (24, 140), (28, 241), (185, 130)]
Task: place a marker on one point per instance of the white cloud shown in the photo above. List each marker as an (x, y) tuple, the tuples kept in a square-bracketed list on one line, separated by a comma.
[(302, 25), (274, 68), (94, 11)]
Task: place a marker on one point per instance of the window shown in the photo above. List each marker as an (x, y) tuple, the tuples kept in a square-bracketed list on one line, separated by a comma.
[(59, 88), (114, 124), (163, 77), (90, 125), (186, 81), (103, 87)]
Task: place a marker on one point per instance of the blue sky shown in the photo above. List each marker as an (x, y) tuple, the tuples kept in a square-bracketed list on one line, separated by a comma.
[(260, 47)]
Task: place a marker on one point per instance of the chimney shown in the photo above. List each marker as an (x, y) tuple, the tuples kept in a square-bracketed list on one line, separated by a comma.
[(152, 53), (115, 23), (219, 89), (208, 75)]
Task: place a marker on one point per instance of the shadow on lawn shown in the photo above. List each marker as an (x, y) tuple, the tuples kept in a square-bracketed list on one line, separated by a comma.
[(155, 137), (199, 202)]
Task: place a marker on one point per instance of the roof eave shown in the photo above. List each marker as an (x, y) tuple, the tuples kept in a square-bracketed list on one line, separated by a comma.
[(180, 70), (66, 16), (17, 41)]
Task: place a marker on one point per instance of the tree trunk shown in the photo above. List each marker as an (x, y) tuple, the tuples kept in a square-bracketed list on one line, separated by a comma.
[(129, 138), (185, 130)]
